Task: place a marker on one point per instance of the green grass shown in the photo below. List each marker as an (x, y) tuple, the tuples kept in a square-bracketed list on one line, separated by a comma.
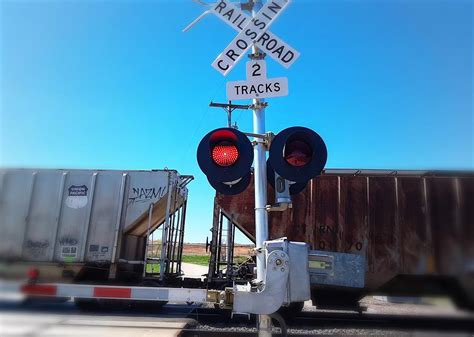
[(202, 260), (152, 268)]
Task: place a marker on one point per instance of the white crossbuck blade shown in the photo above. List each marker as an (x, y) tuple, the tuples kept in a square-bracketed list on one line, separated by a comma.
[(252, 30)]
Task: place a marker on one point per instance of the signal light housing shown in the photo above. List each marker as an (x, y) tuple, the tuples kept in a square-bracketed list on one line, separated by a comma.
[(232, 188), (297, 154), (225, 156)]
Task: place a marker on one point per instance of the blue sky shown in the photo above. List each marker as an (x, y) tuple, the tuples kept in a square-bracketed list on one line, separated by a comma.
[(116, 84)]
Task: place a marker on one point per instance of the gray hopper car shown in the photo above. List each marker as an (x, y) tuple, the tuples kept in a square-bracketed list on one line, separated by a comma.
[(86, 224)]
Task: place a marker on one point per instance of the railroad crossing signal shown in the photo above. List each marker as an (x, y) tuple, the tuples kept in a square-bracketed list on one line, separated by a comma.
[(296, 154), (225, 156)]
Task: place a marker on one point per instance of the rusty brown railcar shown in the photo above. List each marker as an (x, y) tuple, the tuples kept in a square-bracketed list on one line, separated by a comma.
[(414, 228)]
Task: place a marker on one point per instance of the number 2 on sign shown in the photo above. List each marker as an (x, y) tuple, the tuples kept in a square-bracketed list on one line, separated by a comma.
[(256, 68)]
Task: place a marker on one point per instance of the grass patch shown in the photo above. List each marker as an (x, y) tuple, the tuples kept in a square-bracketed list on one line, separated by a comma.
[(152, 268), (202, 260)]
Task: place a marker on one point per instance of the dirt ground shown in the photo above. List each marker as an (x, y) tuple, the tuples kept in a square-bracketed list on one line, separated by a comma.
[(200, 249)]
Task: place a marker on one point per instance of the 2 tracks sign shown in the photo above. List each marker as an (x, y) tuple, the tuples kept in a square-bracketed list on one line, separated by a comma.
[(257, 84)]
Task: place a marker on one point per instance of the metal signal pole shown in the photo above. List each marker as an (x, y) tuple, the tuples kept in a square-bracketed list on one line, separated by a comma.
[(260, 180)]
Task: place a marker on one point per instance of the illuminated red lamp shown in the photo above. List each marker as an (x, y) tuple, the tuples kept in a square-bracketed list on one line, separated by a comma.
[(225, 154)]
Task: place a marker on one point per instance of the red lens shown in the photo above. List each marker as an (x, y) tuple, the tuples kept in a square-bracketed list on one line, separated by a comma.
[(225, 154), (297, 153)]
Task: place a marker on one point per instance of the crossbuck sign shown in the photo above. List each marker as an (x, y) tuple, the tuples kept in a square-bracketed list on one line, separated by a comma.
[(252, 30)]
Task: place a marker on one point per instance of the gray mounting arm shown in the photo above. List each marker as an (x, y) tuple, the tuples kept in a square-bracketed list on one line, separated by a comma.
[(270, 299)]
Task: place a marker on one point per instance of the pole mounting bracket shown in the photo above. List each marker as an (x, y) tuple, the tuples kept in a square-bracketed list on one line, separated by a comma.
[(258, 105), (279, 206), (258, 55), (247, 6)]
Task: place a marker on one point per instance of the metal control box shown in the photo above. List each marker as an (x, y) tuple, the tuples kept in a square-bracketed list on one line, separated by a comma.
[(336, 269), (298, 289)]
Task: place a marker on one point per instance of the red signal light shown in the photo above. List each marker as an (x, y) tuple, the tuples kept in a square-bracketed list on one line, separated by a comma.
[(225, 154), (297, 153)]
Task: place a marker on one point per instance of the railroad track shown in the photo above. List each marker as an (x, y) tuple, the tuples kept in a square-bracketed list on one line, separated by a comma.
[(328, 320)]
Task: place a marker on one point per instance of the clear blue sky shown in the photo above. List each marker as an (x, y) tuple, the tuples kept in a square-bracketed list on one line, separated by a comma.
[(116, 84)]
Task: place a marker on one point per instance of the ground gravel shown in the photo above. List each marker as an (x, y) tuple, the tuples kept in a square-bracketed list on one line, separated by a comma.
[(371, 305)]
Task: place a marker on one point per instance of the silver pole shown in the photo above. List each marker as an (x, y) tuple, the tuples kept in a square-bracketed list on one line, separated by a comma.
[(260, 177)]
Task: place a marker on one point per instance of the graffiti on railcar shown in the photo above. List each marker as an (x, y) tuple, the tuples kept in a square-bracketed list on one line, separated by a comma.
[(68, 241), (144, 194), (37, 248)]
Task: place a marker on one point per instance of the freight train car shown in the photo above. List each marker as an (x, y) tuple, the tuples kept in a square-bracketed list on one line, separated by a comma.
[(415, 229), (90, 225)]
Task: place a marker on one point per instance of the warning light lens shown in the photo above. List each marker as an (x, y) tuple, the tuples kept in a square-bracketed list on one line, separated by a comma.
[(297, 153), (225, 154)]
